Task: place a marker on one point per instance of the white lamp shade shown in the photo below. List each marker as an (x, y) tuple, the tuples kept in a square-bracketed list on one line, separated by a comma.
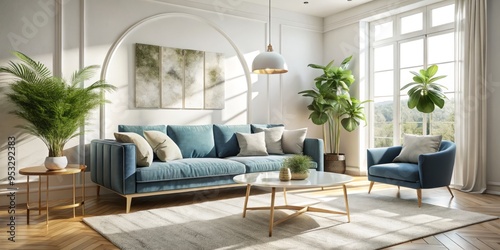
[(269, 62)]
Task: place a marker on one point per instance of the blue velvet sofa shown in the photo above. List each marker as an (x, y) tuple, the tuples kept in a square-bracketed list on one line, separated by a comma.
[(209, 161)]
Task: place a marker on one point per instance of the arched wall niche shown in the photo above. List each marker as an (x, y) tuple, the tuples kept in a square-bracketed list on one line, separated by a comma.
[(176, 30)]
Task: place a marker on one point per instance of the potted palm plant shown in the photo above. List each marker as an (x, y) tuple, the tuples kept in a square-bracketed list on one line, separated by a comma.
[(425, 93), (299, 166), (333, 106), (53, 109)]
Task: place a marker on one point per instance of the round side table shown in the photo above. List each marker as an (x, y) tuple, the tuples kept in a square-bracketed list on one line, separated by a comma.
[(71, 169)]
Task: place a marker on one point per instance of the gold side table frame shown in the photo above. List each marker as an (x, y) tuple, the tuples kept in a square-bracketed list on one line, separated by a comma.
[(71, 169)]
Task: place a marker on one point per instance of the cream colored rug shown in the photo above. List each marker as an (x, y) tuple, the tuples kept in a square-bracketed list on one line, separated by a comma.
[(376, 222)]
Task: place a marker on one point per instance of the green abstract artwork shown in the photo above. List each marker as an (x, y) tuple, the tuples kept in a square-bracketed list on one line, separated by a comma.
[(173, 78)]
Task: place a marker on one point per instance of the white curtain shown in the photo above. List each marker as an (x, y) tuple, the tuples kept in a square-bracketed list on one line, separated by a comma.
[(470, 166)]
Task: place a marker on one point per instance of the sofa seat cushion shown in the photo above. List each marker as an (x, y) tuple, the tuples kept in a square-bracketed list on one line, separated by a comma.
[(263, 163), (397, 171), (188, 169)]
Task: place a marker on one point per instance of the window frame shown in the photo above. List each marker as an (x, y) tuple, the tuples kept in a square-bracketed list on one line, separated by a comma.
[(398, 38)]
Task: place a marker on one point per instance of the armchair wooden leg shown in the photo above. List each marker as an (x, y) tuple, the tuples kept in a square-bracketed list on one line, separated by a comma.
[(419, 197), (370, 188), (449, 190)]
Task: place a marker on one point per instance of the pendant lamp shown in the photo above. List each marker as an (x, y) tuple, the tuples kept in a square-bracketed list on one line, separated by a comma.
[(269, 62)]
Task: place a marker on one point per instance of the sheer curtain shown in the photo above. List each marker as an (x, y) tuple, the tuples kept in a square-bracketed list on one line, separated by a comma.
[(470, 165)]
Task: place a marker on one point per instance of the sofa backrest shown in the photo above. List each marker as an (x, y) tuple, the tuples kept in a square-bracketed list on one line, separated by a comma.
[(194, 141), (226, 143), (199, 141)]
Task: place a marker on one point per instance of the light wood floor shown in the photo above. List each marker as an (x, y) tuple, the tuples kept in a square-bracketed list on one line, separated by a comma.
[(65, 232)]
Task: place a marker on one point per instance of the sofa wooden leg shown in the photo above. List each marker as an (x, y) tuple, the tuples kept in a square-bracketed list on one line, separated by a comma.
[(129, 203), (449, 190), (98, 190), (419, 197), (370, 188)]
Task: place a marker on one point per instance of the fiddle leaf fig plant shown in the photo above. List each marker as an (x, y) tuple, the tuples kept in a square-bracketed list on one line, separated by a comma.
[(332, 103), (424, 93)]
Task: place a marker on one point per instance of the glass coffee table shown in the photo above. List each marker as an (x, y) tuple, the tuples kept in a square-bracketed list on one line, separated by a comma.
[(271, 179)]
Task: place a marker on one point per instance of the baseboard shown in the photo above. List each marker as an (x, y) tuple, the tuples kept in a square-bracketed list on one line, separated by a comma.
[(493, 187), (354, 171)]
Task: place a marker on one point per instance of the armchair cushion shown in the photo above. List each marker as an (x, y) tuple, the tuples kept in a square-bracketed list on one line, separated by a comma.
[(415, 145), (397, 171)]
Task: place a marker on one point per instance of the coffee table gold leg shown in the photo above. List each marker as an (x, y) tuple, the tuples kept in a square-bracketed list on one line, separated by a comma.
[(246, 201), (28, 199), (271, 219), (346, 204)]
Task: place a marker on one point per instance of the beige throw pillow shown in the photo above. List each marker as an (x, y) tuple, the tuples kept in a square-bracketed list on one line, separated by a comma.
[(143, 152), (251, 144), (415, 145), (293, 141), (164, 147), (273, 139)]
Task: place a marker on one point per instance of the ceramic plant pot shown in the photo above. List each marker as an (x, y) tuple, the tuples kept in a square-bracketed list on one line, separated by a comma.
[(56, 163), (300, 176)]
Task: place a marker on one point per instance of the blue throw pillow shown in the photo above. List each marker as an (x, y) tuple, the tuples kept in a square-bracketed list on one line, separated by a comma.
[(139, 129), (194, 141), (226, 142)]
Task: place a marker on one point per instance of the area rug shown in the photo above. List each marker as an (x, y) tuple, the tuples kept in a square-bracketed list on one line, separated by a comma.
[(376, 221)]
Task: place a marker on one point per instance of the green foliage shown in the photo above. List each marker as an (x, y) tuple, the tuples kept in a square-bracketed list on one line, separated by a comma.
[(54, 110), (425, 93), (298, 163), (332, 103), (442, 122)]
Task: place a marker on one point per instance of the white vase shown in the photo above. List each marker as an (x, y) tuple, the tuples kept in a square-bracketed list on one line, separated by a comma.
[(56, 163)]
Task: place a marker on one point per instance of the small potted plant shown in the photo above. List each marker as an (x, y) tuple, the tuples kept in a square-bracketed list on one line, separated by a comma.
[(299, 166), (53, 110)]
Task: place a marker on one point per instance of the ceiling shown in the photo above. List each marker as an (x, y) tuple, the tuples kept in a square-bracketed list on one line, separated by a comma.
[(320, 8)]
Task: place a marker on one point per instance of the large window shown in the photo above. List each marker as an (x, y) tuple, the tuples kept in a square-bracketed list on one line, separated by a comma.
[(398, 45)]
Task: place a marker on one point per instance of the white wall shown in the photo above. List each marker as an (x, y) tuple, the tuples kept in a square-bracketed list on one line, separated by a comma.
[(493, 80), (90, 28)]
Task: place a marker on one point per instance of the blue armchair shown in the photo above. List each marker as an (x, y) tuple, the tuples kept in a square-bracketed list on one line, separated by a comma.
[(433, 170)]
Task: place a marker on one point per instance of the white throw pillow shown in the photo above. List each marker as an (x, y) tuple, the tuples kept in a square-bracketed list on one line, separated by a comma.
[(164, 147), (293, 141), (251, 144), (415, 145), (273, 139), (143, 152)]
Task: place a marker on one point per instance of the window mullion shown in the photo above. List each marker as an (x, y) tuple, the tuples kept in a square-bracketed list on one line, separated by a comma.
[(397, 97)]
